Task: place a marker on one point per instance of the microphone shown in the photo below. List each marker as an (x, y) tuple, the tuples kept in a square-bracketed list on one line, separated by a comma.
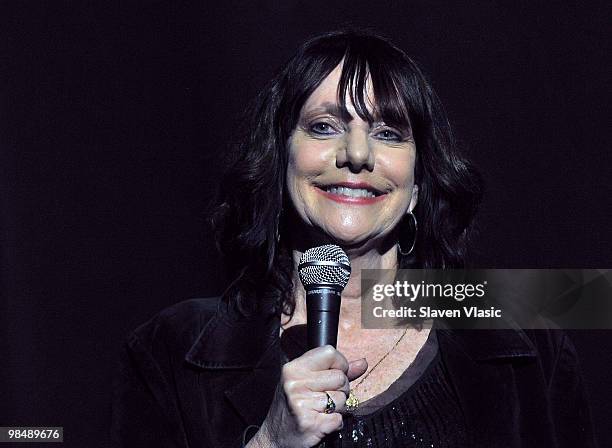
[(324, 272)]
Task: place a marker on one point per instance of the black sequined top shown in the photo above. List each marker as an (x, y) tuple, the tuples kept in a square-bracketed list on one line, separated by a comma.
[(420, 409)]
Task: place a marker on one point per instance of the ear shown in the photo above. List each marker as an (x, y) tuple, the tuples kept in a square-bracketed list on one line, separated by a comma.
[(415, 197)]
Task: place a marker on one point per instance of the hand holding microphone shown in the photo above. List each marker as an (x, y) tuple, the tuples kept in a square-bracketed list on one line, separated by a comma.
[(313, 388), (300, 414)]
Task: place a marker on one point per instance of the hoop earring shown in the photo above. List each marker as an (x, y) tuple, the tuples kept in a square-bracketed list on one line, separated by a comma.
[(399, 246)]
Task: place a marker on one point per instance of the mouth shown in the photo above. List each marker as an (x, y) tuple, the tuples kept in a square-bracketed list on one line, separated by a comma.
[(352, 192)]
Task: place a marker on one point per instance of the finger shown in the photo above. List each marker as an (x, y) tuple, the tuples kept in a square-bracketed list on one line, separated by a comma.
[(325, 380), (329, 423), (318, 401), (322, 358), (338, 397), (357, 368)]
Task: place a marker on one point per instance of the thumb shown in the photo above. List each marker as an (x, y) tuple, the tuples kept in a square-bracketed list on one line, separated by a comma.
[(357, 368)]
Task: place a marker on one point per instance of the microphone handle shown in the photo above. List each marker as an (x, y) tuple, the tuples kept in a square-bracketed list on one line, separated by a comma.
[(323, 312)]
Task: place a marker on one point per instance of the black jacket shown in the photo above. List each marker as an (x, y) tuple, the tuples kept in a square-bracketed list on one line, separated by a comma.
[(197, 375)]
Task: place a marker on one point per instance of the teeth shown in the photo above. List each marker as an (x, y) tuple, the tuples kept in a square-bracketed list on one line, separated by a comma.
[(351, 192)]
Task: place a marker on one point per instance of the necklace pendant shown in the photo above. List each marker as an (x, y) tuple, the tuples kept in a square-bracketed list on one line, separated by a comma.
[(352, 402)]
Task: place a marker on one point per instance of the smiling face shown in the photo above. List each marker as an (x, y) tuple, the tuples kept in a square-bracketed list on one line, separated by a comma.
[(349, 179)]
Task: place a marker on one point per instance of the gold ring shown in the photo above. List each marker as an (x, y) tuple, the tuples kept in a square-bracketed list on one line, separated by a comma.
[(330, 406)]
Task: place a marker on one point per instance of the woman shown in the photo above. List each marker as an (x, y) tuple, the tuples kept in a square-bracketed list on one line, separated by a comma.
[(347, 145)]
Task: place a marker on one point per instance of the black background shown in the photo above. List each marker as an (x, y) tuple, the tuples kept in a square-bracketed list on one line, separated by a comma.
[(113, 119)]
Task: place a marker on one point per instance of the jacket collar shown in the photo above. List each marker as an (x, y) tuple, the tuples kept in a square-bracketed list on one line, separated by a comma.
[(486, 345), (229, 341), (241, 342)]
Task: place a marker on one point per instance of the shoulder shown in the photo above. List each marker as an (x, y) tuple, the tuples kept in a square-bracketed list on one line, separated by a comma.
[(175, 328), (551, 348), (146, 407)]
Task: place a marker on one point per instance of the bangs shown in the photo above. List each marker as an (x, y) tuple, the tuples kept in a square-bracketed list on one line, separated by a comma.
[(363, 65), (398, 96)]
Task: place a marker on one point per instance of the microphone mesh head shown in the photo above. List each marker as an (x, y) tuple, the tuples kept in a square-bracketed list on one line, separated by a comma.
[(325, 265)]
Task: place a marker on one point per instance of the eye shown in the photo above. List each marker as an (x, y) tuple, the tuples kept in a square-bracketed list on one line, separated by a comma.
[(389, 135), (322, 128)]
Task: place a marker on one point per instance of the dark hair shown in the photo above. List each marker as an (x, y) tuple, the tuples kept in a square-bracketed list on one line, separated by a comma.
[(249, 215)]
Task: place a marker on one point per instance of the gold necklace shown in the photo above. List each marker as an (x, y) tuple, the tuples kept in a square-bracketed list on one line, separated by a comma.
[(352, 402)]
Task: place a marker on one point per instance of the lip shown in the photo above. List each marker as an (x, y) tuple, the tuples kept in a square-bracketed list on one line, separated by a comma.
[(351, 200)]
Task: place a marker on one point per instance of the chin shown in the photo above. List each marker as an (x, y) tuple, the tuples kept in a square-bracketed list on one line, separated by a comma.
[(346, 237)]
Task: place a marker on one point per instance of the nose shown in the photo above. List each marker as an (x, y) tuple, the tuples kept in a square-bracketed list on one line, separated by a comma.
[(356, 153)]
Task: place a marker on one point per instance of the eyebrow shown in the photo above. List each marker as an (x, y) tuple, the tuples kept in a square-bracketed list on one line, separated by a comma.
[(332, 109)]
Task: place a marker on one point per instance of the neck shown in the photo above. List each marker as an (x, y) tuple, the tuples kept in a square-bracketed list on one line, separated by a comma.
[(350, 308)]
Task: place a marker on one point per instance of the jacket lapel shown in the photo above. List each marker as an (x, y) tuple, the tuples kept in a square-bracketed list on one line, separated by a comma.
[(251, 344), (484, 383), (253, 396)]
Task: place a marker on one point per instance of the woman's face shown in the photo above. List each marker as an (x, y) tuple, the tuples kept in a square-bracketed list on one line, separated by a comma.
[(349, 179)]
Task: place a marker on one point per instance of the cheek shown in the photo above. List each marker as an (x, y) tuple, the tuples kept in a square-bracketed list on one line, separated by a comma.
[(400, 169), (293, 185), (307, 160)]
